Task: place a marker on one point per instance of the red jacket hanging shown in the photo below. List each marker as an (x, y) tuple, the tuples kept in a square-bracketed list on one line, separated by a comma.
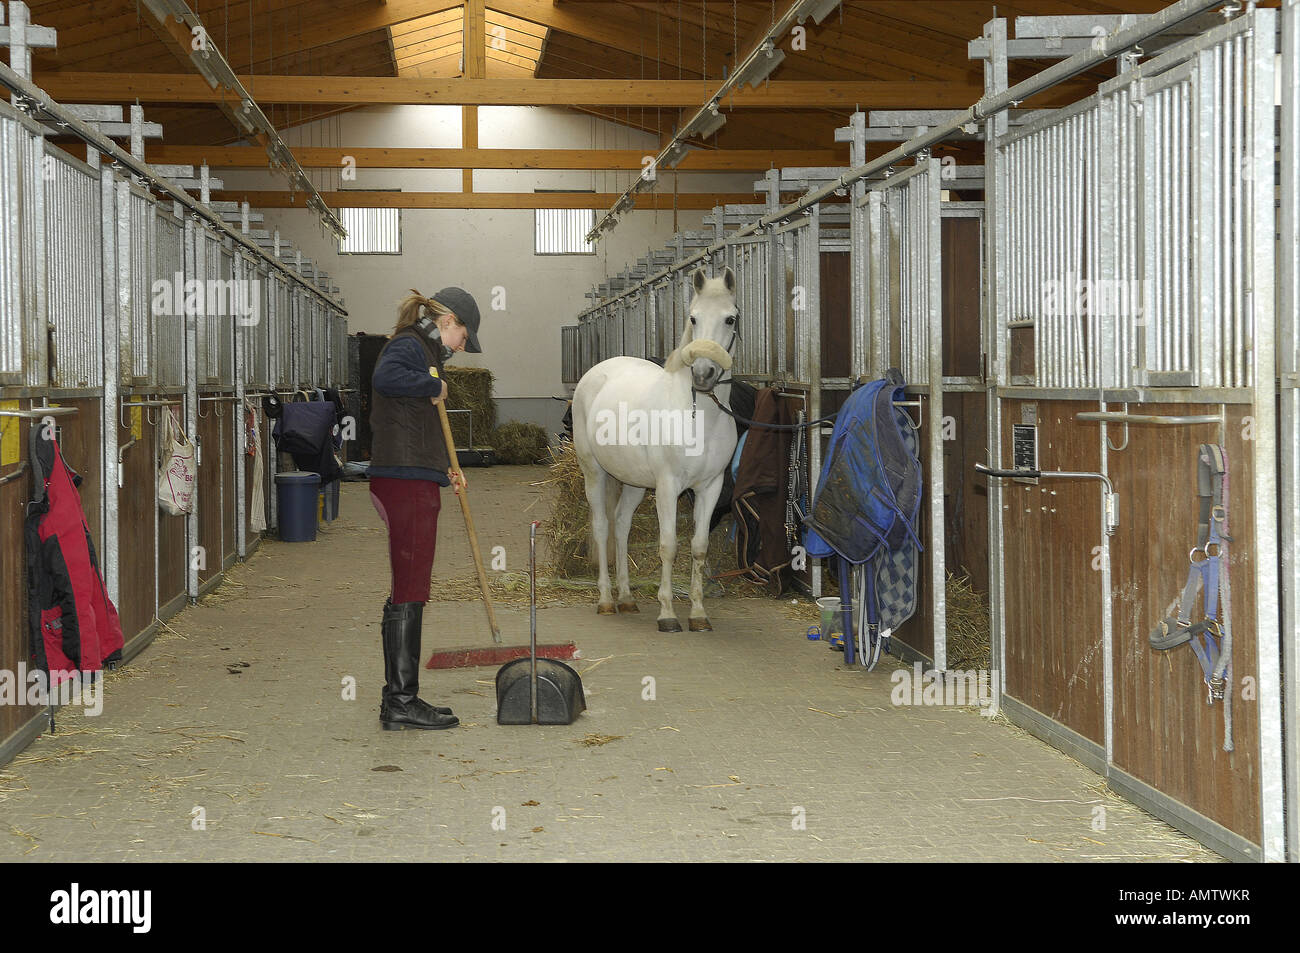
[(73, 624)]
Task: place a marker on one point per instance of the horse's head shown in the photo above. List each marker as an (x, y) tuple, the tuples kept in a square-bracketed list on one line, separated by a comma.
[(713, 321)]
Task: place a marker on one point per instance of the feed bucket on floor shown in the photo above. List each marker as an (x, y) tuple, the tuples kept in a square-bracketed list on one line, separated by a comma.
[(297, 494)]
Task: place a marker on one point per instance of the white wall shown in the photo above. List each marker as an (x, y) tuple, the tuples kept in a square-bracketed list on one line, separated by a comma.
[(487, 252)]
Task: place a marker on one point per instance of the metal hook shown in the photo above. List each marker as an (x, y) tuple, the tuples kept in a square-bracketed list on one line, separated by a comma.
[(908, 403), (152, 418), (217, 409), (199, 411)]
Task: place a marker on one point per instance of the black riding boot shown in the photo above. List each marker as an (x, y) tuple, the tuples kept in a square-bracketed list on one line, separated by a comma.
[(402, 708), (388, 609)]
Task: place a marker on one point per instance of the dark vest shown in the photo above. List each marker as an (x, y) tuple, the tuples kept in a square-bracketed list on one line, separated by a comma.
[(406, 430)]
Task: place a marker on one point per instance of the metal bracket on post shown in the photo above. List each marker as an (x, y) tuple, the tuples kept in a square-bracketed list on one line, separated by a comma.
[(137, 131)]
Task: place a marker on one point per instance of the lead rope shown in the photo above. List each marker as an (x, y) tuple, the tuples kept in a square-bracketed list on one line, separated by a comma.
[(1227, 617), (792, 485)]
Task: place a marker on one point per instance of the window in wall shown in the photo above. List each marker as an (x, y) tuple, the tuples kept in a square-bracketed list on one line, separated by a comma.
[(563, 231), (371, 231)]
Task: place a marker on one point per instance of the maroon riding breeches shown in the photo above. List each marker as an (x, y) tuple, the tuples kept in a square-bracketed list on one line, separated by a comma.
[(409, 508)]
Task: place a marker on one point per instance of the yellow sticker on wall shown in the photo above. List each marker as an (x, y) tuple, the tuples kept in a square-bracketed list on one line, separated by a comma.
[(137, 423), (9, 427)]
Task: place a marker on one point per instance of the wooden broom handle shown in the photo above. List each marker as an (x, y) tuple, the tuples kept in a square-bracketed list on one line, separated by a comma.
[(463, 496)]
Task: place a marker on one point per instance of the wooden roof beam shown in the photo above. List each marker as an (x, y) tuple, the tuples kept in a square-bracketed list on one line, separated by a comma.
[(324, 157), (377, 90), (484, 200)]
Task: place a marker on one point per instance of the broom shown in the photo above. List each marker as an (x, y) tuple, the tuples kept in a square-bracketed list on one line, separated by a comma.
[(496, 654)]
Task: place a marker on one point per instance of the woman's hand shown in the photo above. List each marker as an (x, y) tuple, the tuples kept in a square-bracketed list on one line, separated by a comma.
[(458, 480), (441, 397)]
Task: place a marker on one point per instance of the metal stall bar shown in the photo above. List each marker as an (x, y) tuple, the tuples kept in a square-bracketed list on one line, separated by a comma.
[(1288, 358), (798, 336), (905, 248), (1002, 296), (1259, 50), (241, 304), (193, 255)]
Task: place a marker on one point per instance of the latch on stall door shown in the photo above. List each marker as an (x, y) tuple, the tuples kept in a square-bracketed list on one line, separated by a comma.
[(1109, 498)]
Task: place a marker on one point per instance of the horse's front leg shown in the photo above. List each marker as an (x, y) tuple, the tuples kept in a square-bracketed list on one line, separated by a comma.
[(705, 500), (666, 493)]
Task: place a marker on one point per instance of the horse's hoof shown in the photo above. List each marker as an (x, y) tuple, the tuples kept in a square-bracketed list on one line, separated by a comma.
[(669, 625), (700, 625), (628, 607), (606, 608)]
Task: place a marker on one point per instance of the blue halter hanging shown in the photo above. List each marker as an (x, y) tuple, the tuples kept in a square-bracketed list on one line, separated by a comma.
[(1211, 637)]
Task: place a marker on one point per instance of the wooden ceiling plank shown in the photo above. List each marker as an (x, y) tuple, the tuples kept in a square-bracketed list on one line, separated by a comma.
[(482, 200), (331, 157), (187, 88)]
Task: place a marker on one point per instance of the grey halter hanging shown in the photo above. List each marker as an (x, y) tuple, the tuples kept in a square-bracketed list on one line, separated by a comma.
[(1211, 637)]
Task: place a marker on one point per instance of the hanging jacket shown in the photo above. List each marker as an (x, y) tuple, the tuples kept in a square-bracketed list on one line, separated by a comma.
[(73, 624), (759, 497), (305, 431)]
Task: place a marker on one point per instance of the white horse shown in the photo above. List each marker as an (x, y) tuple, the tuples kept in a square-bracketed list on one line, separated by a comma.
[(641, 426)]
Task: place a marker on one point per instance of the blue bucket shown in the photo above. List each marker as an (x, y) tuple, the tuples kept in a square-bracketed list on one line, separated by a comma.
[(296, 493)]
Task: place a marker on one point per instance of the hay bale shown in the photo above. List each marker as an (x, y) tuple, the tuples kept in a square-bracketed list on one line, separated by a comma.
[(470, 388), (968, 625), (519, 442), (573, 555)]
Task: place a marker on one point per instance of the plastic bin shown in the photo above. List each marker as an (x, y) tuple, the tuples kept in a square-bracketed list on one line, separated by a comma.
[(296, 493)]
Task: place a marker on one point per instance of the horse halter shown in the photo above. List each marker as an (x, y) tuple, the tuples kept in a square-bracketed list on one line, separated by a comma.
[(735, 336)]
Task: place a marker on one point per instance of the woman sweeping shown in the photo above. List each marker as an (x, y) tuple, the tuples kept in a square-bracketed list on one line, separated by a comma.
[(408, 465)]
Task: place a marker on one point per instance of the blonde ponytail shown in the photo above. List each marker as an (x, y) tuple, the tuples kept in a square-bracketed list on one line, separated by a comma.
[(410, 310)]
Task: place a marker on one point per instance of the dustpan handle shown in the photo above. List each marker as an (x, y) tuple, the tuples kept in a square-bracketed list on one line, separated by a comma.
[(532, 618)]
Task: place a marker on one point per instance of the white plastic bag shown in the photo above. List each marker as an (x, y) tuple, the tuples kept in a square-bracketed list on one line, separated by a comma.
[(177, 470)]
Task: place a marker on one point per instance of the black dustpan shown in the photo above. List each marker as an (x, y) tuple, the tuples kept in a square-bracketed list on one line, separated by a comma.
[(533, 691)]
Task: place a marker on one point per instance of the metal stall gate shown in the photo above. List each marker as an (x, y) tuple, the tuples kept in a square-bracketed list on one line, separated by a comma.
[(1288, 358), (170, 389), (750, 260), (1134, 256), (74, 253), (283, 377), (665, 317), (570, 357), (633, 321), (898, 322)]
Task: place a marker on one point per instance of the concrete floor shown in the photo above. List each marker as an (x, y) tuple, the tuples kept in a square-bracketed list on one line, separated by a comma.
[(230, 738)]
